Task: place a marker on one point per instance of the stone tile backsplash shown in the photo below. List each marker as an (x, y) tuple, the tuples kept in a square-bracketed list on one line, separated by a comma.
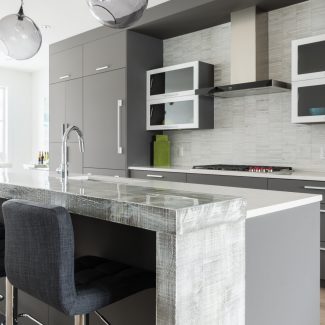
[(255, 129)]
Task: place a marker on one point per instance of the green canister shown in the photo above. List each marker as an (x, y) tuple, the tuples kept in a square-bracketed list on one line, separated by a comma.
[(161, 151)]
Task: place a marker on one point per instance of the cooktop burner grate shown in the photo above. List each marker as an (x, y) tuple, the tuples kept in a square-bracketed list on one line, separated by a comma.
[(246, 168)]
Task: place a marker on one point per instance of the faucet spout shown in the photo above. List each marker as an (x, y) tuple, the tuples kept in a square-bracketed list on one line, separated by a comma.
[(64, 151)]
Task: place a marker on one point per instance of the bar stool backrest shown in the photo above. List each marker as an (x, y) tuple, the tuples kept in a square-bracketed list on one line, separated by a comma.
[(39, 252)]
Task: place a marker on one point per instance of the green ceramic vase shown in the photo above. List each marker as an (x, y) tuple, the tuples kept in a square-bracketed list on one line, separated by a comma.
[(161, 151)]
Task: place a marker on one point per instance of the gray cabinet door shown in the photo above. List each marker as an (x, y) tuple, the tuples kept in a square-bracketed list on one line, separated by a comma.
[(65, 108), (66, 65), (57, 111), (104, 120), (106, 172), (73, 112), (158, 176), (105, 54), (299, 186), (234, 181), (75, 158)]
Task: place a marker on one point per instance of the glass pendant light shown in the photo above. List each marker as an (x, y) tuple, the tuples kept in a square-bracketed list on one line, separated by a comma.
[(20, 38), (117, 13)]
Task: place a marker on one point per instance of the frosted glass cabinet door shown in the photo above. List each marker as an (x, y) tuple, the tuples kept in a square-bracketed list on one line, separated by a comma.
[(175, 113), (308, 101), (308, 58)]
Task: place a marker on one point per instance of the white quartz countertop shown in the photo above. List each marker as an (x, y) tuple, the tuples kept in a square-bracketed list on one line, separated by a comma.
[(298, 174), (259, 202)]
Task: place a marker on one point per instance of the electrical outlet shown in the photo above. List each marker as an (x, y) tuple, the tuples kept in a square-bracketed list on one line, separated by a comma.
[(322, 152)]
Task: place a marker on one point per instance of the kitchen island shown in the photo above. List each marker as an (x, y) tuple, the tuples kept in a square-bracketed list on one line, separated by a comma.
[(200, 244)]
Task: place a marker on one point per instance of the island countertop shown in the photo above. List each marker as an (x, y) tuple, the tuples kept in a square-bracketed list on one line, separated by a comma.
[(126, 201)]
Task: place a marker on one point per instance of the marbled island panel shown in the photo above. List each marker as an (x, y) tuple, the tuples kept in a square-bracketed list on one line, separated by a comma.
[(156, 209)]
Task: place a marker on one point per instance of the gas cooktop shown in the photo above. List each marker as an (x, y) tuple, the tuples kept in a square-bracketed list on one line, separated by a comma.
[(247, 168)]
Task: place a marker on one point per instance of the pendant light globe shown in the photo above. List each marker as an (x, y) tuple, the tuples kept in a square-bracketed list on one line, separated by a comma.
[(117, 13), (20, 37)]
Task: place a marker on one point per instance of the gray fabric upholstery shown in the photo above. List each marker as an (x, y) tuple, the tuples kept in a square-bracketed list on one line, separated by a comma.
[(39, 259), (2, 251), (39, 252)]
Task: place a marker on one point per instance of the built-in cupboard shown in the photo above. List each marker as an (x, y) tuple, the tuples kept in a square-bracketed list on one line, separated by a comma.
[(99, 85)]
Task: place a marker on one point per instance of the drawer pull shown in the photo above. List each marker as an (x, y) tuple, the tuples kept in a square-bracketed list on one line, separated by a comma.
[(155, 176), (65, 77), (314, 188), (322, 211), (322, 249), (102, 68)]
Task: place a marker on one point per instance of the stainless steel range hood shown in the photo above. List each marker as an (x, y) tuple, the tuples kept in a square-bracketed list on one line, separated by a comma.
[(249, 58)]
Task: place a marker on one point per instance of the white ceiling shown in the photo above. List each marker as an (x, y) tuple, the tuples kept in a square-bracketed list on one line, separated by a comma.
[(66, 18)]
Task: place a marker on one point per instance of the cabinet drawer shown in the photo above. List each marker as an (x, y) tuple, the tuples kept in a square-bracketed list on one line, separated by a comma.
[(159, 176), (66, 65), (234, 181), (105, 54), (105, 172), (286, 185)]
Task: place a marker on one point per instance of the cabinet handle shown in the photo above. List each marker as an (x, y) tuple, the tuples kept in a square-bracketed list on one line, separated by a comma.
[(119, 127), (155, 176), (102, 68), (314, 188), (322, 249), (64, 77)]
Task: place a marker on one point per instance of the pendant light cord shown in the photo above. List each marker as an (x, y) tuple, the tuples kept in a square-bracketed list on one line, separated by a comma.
[(21, 11)]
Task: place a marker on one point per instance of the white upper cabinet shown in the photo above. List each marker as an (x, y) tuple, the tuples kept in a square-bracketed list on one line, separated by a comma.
[(308, 101), (179, 80), (308, 58)]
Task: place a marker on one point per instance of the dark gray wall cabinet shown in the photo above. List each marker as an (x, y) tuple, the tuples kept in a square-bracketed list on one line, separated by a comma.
[(100, 86)]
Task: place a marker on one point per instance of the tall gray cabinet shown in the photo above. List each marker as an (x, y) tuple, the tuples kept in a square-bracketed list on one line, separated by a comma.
[(98, 83)]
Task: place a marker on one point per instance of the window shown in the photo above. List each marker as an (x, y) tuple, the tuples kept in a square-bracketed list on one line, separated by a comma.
[(3, 124)]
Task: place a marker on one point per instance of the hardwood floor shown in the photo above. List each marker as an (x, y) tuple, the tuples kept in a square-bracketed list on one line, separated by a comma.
[(322, 306)]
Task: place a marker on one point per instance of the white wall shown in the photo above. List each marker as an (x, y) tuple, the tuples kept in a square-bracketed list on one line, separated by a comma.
[(27, 99), (40, 104), (19, 115)]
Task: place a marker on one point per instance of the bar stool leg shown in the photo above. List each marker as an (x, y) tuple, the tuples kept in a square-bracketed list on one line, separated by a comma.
[(9, 303), (81, 320)]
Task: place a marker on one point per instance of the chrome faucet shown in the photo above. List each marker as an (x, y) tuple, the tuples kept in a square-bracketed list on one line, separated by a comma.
[(64, 151)]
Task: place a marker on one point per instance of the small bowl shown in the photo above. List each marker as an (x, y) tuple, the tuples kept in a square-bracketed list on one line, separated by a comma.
[(317, 111)]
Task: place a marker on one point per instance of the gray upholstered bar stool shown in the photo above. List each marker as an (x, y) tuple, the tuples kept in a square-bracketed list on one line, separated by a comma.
[(39, 260), (2, 264)]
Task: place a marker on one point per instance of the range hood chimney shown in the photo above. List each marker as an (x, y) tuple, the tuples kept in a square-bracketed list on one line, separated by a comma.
[(249, 58)]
